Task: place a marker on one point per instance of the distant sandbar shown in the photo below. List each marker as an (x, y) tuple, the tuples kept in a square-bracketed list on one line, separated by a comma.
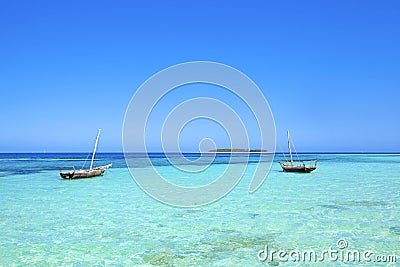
[(236, 150)]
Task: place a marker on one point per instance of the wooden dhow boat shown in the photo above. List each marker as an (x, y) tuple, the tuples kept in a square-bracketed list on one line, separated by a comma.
[(304, 166), (72, 173)]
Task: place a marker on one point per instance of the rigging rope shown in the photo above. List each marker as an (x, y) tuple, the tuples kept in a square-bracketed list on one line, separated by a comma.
[(87, 157), (295, 151), (84, 163), (282, 152)]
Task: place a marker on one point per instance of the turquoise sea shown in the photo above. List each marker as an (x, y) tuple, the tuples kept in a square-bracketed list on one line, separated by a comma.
[(110, 221)]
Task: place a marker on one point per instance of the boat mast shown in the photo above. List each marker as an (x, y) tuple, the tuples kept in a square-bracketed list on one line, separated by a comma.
[(290, 150), (95, 147)]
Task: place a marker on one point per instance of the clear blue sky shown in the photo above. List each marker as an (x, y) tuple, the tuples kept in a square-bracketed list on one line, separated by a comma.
[(329, 69)]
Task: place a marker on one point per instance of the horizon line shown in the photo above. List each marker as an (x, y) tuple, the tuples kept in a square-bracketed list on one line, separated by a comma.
[(197, 152)]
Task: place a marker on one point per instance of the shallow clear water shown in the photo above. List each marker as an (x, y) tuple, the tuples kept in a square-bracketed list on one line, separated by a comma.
[(109, 221)]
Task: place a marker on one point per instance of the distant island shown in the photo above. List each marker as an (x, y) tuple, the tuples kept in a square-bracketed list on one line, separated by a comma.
[(231, 150)]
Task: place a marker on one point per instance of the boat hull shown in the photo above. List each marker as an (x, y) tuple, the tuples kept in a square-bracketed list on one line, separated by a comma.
[(82, 174), (297, 168), (99, 171)]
